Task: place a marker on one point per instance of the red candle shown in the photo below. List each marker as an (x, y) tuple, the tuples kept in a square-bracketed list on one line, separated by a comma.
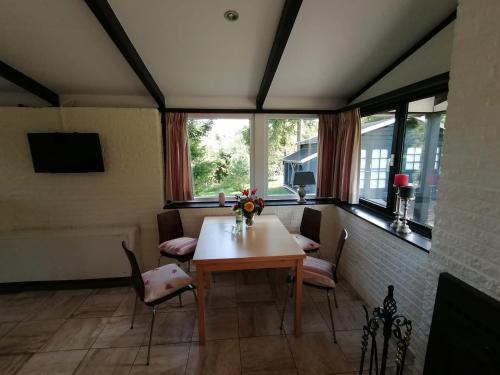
[(401, 180)]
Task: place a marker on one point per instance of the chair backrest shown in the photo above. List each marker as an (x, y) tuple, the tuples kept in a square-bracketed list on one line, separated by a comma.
[(310, 224), (136, 275), (169, 225), (340, 246)]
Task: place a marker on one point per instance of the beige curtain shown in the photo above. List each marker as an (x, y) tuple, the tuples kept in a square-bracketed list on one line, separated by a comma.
[(338, 156), (178, 178)]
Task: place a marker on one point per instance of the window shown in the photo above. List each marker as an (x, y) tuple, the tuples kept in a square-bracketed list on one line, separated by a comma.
[(423, 140), (236, 151), (376, 142), (292, 145), (220, 155), (412, 137)]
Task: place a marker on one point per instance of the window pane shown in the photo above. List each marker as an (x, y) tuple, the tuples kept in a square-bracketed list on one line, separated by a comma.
[(220, 155), (292, 146), (424, 139), (376, 138)]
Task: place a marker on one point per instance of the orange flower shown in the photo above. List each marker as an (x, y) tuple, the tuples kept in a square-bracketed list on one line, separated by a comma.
[(248, 207)]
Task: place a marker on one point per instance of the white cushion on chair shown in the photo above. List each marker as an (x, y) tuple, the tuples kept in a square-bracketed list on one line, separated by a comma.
[(179, 246), (162, 281), (305, 243), (318, 272)]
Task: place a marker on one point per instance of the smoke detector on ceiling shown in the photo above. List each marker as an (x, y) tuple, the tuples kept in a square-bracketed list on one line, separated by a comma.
[(231, 15)]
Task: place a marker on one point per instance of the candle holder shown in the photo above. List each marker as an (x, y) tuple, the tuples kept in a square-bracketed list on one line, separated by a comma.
[(406, 194), (397, 213)]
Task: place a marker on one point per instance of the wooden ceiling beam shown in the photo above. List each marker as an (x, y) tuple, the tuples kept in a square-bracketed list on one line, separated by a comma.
[(29, 84), (105, 15), (285, 26)]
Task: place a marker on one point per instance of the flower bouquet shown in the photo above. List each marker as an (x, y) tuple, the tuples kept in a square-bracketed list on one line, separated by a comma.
[(248, 204)]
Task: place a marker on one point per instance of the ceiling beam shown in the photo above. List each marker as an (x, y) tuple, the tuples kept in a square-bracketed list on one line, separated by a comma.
[(285, 26), (104, 13), (29, 84), (406, 54)]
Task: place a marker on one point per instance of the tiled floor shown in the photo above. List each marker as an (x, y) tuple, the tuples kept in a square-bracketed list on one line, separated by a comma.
[(88, 332)]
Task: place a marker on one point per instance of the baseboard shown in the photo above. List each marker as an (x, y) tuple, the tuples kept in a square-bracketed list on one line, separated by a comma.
[(64, 284)]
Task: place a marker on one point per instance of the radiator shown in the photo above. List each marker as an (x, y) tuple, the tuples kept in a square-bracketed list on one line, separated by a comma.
[(65, 254)]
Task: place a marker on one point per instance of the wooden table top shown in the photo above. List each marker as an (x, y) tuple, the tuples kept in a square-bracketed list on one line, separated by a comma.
[(267, 238)]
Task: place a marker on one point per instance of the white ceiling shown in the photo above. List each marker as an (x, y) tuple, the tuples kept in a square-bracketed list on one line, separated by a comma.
[(199, 59)]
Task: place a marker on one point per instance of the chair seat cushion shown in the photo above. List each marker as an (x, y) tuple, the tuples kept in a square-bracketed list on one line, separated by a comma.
[(318, 272), (162, 281), (178, 246), (305, 243)]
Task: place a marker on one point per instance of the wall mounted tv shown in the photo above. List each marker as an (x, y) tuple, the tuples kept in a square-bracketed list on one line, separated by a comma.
[(66, 152)]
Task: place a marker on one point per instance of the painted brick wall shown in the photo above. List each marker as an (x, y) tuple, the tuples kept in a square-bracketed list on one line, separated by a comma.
[(466, 239), (128, 193)]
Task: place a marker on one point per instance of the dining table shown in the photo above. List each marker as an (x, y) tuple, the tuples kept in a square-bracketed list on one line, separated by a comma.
[(223, 246)]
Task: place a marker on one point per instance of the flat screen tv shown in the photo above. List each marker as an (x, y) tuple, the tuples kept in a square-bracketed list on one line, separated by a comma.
[(66, 152)]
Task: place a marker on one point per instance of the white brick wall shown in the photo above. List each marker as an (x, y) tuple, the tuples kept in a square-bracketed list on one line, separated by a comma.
[(467, 233), (128, 193)]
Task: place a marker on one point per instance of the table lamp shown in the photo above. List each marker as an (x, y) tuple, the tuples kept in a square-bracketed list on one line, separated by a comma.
[(301, 179)]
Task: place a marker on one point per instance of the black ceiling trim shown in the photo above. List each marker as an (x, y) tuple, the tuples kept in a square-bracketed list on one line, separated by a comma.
[(104, 13), (29, 84), (406, 54), (288, 16)]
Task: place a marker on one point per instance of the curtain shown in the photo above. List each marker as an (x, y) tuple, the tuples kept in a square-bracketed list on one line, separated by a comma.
[(178, 178), (338, 156)]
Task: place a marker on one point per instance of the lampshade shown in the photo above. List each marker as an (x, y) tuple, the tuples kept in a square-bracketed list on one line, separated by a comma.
[(303, 178)]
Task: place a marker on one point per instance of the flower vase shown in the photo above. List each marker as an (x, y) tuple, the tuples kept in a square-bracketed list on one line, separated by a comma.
[(249, 221)]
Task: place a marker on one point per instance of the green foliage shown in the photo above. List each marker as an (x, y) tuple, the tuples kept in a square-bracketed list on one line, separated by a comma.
[(222, 166)]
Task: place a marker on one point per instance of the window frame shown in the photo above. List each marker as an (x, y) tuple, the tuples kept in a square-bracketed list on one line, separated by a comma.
[(215, 116), (400, 105), (258, 149)]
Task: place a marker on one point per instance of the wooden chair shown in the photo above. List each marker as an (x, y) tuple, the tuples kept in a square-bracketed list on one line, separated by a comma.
[(173, 244), (308, 238), (320, 274), (156, 286)]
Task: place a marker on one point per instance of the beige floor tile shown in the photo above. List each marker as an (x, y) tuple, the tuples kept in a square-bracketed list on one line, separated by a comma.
[(75, 334), (317, 354), (312, 321), (6, 327), (220, 279), (11, 363), (219, 324), (127, 307), (221, 296), (60, 305), (172, 328), (271, 372), (18, 307), (188, 303), (53, 363), (258, 320), (99, 305), (115, 290), (117, 333), (221, 357), (29, 336), (351, 317), (254, 293), (165, 360), (265, 353), (107, 361)]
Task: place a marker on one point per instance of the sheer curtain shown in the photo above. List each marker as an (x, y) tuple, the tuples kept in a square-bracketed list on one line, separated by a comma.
[(338, 156), (178, 177)]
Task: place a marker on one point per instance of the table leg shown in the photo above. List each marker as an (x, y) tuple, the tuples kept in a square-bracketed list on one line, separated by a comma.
[(298, 298), (200, 285)]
